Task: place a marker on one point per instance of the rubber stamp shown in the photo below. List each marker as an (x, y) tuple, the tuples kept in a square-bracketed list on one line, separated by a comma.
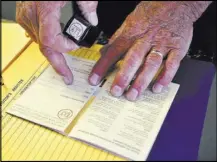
[(81, 31)]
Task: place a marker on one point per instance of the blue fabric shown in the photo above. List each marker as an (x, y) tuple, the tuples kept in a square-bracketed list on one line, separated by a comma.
[(179, 137)]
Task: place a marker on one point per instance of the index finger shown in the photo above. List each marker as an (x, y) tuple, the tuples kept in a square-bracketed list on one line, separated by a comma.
[(113, 53), (59, 64)]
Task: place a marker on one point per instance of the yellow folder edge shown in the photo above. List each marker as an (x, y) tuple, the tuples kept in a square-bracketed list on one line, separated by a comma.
[(23, 140), (14, 41)]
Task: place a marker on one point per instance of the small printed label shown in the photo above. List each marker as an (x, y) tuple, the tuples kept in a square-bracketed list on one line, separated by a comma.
[(76, 29)]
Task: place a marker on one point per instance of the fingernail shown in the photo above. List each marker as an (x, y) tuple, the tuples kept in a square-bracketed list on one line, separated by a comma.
[(92, 18), (116, 91), (157, 88), (132, 94), (67, 80), (94, 79)]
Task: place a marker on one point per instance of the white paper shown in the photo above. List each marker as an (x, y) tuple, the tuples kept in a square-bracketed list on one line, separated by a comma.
[(52, 103), (126, 128)]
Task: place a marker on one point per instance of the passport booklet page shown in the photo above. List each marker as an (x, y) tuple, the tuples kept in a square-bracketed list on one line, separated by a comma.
[(91, 115)]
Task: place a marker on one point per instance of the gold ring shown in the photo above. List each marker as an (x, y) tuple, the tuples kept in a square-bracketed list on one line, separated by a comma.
[(157, 52)]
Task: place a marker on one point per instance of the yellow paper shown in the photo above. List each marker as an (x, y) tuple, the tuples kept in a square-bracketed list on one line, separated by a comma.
[(23, 140), (13, 41)]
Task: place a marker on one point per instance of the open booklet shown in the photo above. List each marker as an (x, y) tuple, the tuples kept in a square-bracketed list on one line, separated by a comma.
[(90, 114)]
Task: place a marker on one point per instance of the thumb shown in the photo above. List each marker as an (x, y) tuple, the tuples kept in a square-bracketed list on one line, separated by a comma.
[(88, 9)]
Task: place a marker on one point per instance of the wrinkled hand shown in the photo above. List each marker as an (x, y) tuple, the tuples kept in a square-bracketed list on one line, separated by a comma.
[(154, 30), (41, 20)]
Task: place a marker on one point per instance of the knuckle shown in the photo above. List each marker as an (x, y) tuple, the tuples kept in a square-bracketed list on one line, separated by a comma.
[(172, 64), (154, 60), (165, 79), (42, 49), (46, 51), (134, 59), (141, 86), (122, 79), (47, 41), (141, 82)]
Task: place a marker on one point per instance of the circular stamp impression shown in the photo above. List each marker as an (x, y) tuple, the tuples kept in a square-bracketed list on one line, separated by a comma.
[(65, 114), (76, 30)]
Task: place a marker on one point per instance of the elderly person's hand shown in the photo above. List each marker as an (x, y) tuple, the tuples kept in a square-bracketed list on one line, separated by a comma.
[(153, 31), (41, 20)]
